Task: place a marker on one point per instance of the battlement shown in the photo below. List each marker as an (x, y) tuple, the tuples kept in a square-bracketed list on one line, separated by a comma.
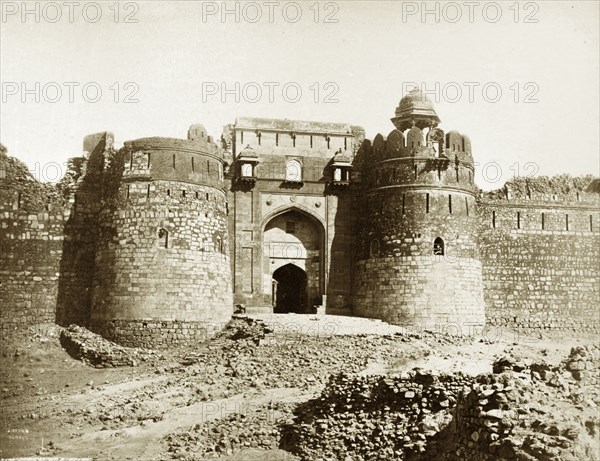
[(142, 236), (413, 144)]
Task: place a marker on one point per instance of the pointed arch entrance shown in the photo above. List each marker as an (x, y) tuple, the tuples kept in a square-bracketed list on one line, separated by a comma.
[(290, 290), (293, 244)]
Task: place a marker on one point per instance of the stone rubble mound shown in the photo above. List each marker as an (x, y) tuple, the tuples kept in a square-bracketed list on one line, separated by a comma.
[(258, 428), (99, 352), (535, 412), (373, 417), (521, 412)]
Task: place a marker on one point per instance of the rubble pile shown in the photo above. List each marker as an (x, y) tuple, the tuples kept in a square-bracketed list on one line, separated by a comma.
[(245, 328), (93, 349), (374, 417), (535, 412), (248, 354), (251, 427)]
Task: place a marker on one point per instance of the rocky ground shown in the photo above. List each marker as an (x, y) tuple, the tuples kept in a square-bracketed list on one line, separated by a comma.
[(291, 387)]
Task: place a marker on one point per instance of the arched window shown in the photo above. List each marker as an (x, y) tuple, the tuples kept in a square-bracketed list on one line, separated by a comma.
[(247, 170), (163, 238), (438, 247), (374, 250), (337, 174), (293, 171)]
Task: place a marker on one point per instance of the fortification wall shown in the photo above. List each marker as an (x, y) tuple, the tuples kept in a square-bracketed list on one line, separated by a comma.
[(30, 255), (162, 272), (32, 217), (540, 256)]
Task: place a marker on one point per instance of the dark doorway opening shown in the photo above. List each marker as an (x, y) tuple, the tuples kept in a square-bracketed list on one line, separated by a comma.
[(290, 291)]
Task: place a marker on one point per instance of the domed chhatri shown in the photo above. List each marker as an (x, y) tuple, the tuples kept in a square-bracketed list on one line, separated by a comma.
[(415, 110)]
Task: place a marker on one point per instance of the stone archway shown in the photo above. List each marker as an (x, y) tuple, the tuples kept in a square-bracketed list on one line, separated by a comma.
[(290, 293), (293, 240)]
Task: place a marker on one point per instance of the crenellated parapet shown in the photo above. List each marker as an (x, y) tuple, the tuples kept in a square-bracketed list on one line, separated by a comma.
[(418, 224)]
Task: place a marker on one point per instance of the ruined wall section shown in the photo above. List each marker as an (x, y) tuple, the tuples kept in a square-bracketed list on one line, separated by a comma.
[(412, 195), (31, 234), (46, 239), (162, 263), (30, 254), (83, 183), (540, 247)]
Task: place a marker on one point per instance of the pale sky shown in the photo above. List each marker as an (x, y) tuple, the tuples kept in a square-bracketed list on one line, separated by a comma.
[(363, 61)]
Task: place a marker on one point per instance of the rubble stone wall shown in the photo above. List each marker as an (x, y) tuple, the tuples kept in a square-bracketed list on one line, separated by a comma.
[(30, 255), (162, 253), (417, 259), (540, 264), (422, 292)]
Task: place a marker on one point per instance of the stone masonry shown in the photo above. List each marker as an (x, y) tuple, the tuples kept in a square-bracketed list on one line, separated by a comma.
[(152, 244)]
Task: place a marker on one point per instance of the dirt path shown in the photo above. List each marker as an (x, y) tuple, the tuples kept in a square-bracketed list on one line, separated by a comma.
[(52, 404)]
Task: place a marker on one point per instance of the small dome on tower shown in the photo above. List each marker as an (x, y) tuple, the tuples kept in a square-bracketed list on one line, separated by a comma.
[(415, 110)]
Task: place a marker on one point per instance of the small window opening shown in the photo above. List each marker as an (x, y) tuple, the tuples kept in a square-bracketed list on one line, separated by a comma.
[(345, 143), (168, 192), (450, 203), (276, 139), (494, 219), (183, 193), (290, 227), (148, 159), (543, 221), (173, 161), (438, 247), (403, 203), (416, 172), (337, 174), (293, 140), (374, 248), (148, 191), (518, 219), (427, 203), (242, 137), (566, 222), (197, 195), (207, 196), (467, 205), (163, 236), (128, 191), (311, 141), (193, 166), (591, 223), (258, 136), (328, 142)]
